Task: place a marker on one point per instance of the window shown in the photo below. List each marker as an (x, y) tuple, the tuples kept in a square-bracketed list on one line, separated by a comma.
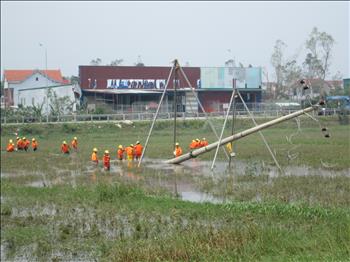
[(37, 79)]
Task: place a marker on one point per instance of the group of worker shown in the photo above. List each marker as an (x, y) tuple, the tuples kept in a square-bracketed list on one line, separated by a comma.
[(65, 148), (132, 152), (21, 144), (197, 143)]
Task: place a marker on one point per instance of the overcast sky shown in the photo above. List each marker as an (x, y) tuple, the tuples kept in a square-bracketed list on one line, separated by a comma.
[(200, 33)]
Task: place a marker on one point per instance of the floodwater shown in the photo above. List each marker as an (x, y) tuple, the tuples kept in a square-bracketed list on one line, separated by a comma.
[(192, 180)]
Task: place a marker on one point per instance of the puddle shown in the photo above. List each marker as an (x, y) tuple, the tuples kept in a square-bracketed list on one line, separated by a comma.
[(199, 197), (192, 180)]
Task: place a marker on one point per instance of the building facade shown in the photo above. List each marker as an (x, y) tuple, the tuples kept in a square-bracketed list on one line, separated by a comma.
[(33, 88), (138, 89)]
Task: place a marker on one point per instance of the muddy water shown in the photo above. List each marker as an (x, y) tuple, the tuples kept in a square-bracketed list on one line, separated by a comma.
[(186, 181)]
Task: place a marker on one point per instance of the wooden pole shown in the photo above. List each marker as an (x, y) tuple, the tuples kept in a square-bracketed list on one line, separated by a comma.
[(240, 135), (155, 116)]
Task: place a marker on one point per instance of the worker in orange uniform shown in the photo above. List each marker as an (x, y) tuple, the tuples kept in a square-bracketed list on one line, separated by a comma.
[(120, 152), (25, 143), (130, 152), (138, 150), (65, 148), (197, 143), (34, 144), (193, 145), (204, 142), (178, 150), (74, 143), (106, 161), (19, 143), (94, 157), (10, 146)]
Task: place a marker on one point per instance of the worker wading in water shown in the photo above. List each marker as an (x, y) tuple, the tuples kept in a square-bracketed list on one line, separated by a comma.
[(130, 152), (19, 143), (94, 157), (65, 148), (106, 161), (25, 143), (10, 146), (178, 150), (138, 150), (193, 144), (34, 144), (120, 152), (74, 144), (204, 142)]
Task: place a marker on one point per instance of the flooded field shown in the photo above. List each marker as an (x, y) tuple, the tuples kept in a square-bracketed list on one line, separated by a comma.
[(56, 207), (191, 181)]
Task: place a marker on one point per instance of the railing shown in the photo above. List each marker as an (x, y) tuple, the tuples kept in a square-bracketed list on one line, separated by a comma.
[(145, 116)]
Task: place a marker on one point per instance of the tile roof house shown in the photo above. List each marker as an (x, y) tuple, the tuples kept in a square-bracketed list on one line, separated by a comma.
[(15, 80)]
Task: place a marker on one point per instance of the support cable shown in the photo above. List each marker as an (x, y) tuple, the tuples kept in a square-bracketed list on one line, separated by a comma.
[(155, 116), (260, 133), (201, 106), (223, 128)]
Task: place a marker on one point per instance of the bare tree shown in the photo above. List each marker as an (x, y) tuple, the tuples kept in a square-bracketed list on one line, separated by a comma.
[(277, 61), (139, 62), (317, 61), (96, 61), (117, 62)]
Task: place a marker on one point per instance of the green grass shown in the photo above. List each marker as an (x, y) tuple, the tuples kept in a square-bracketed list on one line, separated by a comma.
[(85, 215)]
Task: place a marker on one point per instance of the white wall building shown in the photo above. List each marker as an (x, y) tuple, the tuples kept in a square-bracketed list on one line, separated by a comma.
[(38, 96), (30, 87)]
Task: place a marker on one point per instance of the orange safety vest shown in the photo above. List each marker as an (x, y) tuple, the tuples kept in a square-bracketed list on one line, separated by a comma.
[(26, 143), (19, 143), (204, 143), (193, 145), (10, 147), (106, 160), (34, 144), (129, 151), (178, 151), (65, 148), (198, 144), (138, 150), (94, 157), (120, 153), (74, 144)]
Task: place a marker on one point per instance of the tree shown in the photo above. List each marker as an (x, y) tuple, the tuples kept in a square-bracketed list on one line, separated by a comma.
[(277, 61), (317, 61), (59, 105), (139, 62), (116, 62), (74, 79), (96, 61)]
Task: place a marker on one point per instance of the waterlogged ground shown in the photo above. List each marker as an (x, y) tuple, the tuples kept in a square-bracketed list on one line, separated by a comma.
[(47, 229), (61, 208), (193, 180)]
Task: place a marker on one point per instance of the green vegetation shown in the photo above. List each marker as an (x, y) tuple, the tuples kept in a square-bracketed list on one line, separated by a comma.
[(57, 207)]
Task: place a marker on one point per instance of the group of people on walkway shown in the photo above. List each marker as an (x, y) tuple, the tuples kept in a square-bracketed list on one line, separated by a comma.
[(130, 153), (22, 144)]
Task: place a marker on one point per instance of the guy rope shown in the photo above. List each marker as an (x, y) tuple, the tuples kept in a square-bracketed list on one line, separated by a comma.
[(224, 141)]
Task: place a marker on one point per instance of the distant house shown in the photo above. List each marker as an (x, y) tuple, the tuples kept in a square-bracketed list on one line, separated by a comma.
[(30, 87), (317, 87)]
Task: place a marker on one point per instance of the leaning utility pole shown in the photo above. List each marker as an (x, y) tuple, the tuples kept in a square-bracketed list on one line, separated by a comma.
[(240, 135)]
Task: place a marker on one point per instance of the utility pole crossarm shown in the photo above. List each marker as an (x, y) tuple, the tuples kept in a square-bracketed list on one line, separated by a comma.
[(240, 135)]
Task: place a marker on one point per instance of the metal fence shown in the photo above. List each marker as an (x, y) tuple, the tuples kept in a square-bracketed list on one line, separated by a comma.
[(145, 116)]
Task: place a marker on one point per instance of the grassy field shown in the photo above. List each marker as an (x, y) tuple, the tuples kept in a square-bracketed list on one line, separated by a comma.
[(82, 214)]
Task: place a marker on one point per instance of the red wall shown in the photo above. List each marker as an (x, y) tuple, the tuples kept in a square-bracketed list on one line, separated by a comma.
[(208, 98), (102, 73)]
